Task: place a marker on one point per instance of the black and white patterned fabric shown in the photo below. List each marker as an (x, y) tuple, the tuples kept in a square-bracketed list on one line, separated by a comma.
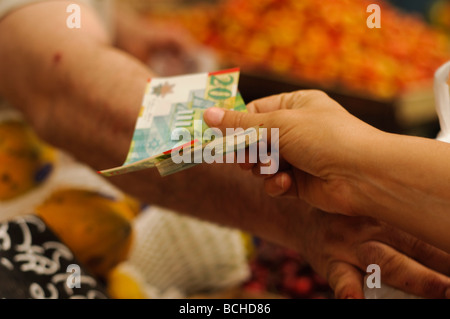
[(35, 264)]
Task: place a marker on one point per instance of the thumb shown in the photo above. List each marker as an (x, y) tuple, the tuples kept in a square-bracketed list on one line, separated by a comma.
[(223, 119)]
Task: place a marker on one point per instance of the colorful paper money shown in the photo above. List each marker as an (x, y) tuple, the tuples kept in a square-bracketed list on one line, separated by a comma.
[(235, 142), (173, 103)]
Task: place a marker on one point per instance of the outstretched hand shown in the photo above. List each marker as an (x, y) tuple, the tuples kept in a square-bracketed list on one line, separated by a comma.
[(167, 48), (316, 138), (339, 248)]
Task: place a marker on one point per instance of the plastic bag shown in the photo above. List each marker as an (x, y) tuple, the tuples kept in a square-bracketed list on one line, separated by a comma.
[(442, 96)]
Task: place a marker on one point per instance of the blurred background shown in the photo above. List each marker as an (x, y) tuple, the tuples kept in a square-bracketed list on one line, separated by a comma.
[(384, 76)]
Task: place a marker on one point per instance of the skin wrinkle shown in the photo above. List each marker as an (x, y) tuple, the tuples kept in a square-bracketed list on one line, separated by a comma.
[(222, 195), (390, 190)]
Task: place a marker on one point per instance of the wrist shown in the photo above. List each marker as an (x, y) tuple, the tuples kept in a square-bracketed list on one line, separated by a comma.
[(360, 167), (378, 182)]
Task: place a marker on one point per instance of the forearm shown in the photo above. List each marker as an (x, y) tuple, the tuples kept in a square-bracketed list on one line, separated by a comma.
[(82, 95), (222, 194), (69, 83), (406, 181)]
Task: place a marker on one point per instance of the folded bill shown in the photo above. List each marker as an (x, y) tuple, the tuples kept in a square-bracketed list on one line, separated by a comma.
[(220, 147), (177, 103)]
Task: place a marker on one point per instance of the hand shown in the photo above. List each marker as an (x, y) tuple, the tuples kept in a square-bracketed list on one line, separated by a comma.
[(168, 49), (317, 137), (342, 165), (340, 248)]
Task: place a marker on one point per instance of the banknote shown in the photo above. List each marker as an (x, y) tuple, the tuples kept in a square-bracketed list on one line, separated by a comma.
[(223, 146), (173, 103)]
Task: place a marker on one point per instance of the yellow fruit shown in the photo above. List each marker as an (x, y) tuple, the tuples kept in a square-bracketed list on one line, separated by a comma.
[(247, 240), (15, 176), (129, 207), (93, 226), (122, 285), (25, 162)]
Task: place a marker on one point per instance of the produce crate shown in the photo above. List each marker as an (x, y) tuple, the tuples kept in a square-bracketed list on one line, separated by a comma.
[(411, 113)]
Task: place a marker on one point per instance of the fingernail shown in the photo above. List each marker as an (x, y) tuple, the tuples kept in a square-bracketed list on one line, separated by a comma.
[(214, 116), (280, 181), (278, 189)]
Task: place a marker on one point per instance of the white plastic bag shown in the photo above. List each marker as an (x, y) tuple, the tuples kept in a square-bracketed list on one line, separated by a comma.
[(442, 96)]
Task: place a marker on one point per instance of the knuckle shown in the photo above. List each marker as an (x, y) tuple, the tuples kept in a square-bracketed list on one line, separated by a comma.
[(391, 266), (251, 107), (238, 119), (373, 252), (315, 94), (419, 248), (332, 273), (370, 252), (233, 119)]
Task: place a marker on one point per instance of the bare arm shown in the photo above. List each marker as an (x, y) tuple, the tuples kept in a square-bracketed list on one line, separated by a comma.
[(82, 95), (342, 165), (406, 182)]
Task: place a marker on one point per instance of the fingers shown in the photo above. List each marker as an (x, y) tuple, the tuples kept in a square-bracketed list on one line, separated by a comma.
[(278, 184), (424, 253), (269, 104), (281, 185), (431, 257), (230, 121), (291, 100), (345, 280), (402, 272), (308, 98), (222, 119)]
